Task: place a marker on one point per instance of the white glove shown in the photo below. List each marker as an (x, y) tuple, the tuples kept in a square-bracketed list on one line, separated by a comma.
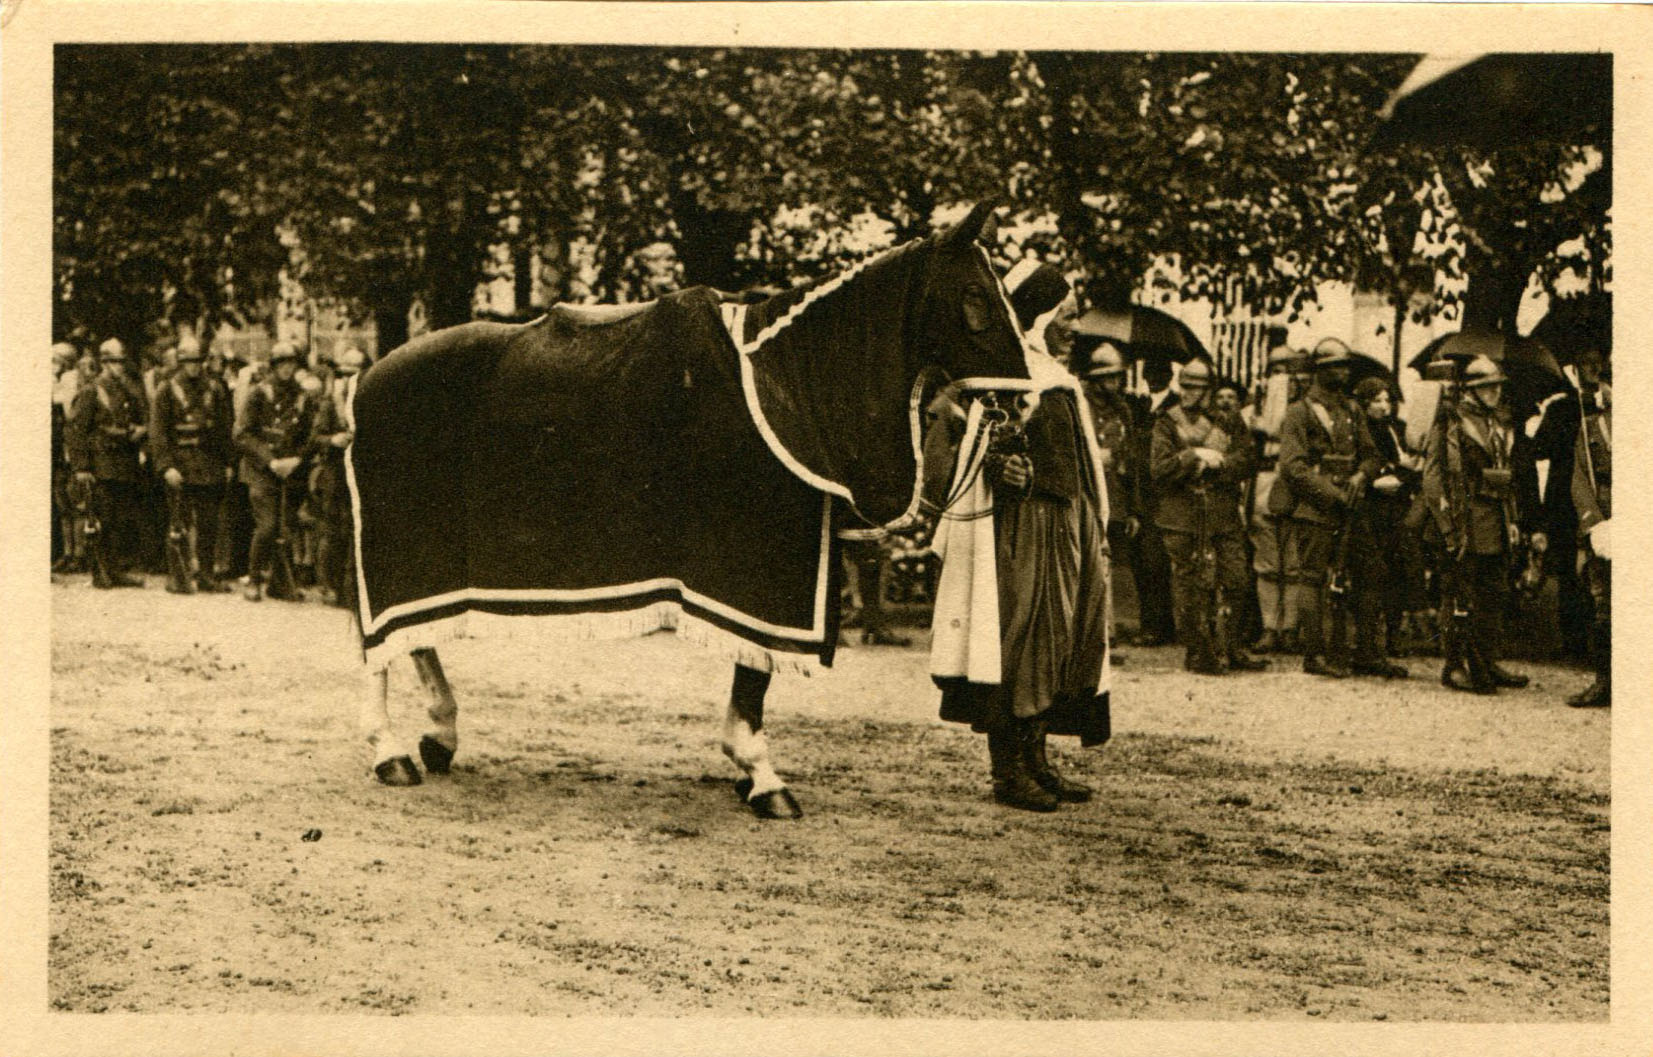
[(1387, 484), (1210, 458), (1601, 540)]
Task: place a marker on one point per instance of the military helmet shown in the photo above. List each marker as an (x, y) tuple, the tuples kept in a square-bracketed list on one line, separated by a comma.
[(1330, 352), (1196, 373), (350, 360), (1286, 358), (190, 352), (112, 350), (283, 350), (1105, 359), (1482, 371)]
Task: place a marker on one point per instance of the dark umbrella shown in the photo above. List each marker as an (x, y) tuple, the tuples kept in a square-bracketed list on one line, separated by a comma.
[(1143, 332), (1362, 367), (1502, 100), (1532, 371), (1574, 324)]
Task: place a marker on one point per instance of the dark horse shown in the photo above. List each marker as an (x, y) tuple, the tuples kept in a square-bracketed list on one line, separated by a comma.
[(681, 465)]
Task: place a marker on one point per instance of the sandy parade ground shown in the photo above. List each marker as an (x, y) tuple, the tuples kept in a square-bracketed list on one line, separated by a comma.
[(1263, 847)]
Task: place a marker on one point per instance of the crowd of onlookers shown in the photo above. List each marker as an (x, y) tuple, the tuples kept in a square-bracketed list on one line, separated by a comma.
[(1293, 516), (1290, 516), (203, 467)]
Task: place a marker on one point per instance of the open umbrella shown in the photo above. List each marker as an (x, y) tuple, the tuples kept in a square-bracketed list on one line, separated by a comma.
[(1502, 100), (1144, 333), (1362, 367), (1532, 371)]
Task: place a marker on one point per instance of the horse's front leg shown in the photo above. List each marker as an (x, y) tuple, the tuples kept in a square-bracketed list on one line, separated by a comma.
[(744, 743), (441, 739), (391, 769)]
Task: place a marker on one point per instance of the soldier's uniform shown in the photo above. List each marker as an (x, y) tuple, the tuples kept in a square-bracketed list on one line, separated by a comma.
[(1151, 567), (190, 433), (1115, 427), (275, 425), (1592, 497), (1200, 463), (330, 434), (1326, 460), (1278, 575), (1468, 484), (106, 427)]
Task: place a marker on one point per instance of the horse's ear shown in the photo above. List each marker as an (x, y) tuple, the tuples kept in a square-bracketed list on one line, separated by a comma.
[(980, 225)]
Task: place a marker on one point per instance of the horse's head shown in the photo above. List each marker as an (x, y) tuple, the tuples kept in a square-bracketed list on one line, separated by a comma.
[(964, 324)]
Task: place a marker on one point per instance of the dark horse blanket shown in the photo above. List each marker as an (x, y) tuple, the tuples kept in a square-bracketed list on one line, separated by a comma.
[(567, 468), (677, 465)]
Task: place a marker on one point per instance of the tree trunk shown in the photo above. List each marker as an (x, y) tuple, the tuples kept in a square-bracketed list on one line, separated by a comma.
[(1493, 297)]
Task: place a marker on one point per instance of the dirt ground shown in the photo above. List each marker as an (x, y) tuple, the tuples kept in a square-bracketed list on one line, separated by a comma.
[(1272, 847)]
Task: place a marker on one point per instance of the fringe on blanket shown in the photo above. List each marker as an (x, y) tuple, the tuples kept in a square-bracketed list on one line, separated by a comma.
[(574, 629)]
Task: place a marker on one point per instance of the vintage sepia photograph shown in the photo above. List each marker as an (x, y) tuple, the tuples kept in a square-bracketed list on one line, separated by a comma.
[(1019, 528)]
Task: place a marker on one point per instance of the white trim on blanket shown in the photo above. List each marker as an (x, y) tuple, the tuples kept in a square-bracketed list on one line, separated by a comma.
[(370, 625), (578, 628)]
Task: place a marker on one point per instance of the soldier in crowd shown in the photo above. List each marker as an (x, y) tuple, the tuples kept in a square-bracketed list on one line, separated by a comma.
[(65, 556), (1152, 568), (1469, 487), (1275, 568), (1101, 366), (1327, 460), (107, 423), (190, 437), (1201, 458), (273, 436), (330, 491), (1592, 497)]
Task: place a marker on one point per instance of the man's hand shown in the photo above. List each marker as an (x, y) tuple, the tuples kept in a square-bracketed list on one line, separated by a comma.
[(284, 468), (139, 432), (1354, 489), (1388, 484), (1540, 542), (1514, 534), (1210, 458), (341, 439), (85, 477), (229, 473), (1018, 471), (173, 478), (1133, 525)]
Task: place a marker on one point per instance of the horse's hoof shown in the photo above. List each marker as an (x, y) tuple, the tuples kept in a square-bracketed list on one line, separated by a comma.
[(743, 788), (777, 803), (397, 771), (437, 757)]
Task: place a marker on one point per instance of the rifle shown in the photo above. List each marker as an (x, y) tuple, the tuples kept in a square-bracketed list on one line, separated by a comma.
[(284, 548), (80, 494), (178, 570), (1205, 563)]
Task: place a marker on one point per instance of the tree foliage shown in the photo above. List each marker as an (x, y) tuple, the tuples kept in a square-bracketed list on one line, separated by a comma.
[(189, 177)]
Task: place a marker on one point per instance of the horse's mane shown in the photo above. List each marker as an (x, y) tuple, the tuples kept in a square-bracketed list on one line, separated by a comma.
[(770, 318)]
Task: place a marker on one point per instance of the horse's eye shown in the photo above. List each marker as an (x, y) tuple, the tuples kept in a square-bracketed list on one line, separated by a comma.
[(978, 314)]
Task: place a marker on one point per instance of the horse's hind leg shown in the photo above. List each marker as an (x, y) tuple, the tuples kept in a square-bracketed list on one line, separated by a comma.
[(375, 726), (441, 740), (744, 743)]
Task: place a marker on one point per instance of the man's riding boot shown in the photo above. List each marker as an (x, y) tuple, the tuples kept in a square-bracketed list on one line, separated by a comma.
[(1241, 661), (1314, 664), (1013, 785), (1269, 642), (1473, 666), (1502, 676), (254, 591), (1038, 764), (1599, 694)]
